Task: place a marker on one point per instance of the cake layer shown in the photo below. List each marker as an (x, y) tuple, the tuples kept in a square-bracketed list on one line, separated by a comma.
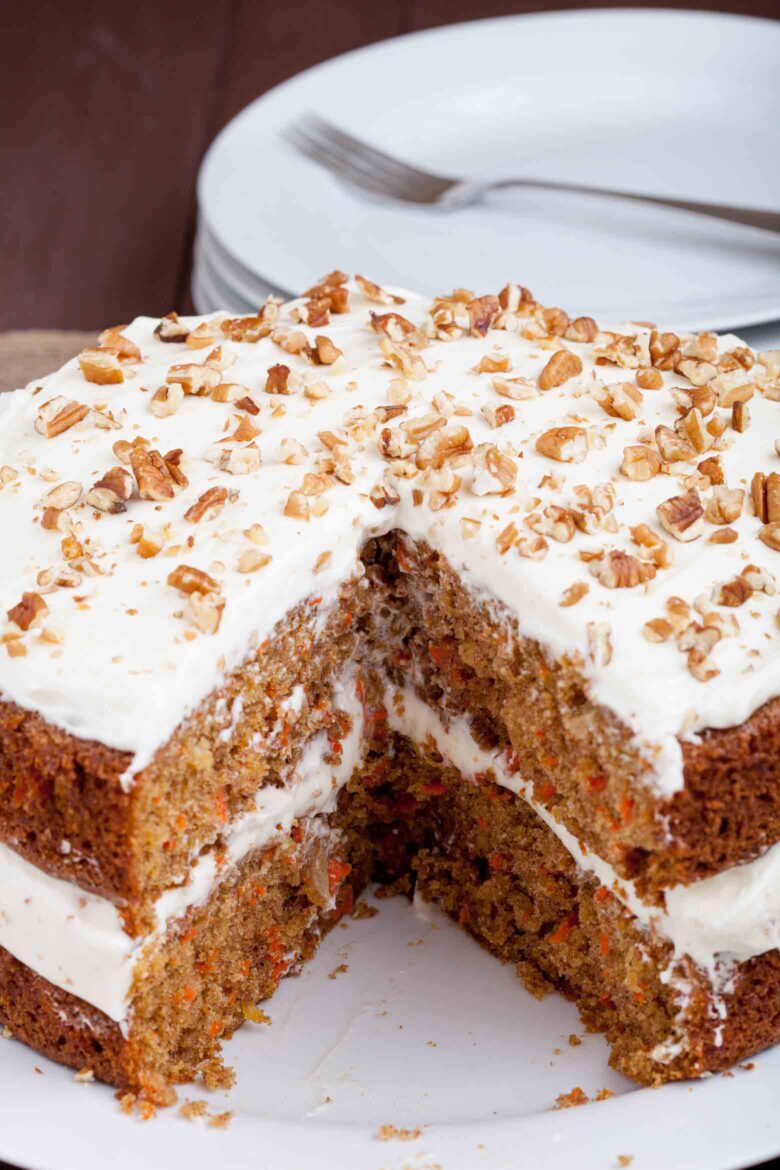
[(513, 878), (465, 654), (80, 942), (559, 535), (63, 805), (608, 491), (205, 975)]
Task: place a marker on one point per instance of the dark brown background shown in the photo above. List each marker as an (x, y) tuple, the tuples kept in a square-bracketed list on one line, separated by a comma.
[(107, 108)]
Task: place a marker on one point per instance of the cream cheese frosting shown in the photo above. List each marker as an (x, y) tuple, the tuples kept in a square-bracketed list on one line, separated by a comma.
[(77, 940), (729, 917), (117, 657)]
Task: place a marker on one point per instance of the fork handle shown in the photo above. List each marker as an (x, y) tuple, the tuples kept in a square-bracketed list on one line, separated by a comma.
[(753, 217)]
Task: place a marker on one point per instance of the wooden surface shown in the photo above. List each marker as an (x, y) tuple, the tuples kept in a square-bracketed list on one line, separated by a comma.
[(108, 108)]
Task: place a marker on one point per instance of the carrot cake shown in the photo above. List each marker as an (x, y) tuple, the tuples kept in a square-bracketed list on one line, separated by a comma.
[(470, 597)]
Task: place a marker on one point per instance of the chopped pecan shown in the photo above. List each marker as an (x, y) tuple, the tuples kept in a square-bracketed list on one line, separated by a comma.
[(648, 378), (711, 467), (297, 506), (444, 444), (664, 350), (101, 366), (30, 611), (207, 505), (724, 505), (582, 329), (674, 448), (325, 353), (253, 328), (770, 535), (562, 366), (618, 399), (108, 494), (377, 294), (657, 630), (171, 329), (620, 570), (733, 593), (765, 496), (205, 611), (64, 495), (498, 416), (640, 463), (518, 389), (573, 593), (115, 340), (58, 415), (189, 580), (152, 475), (166, 400), (564, 444), (194, 379), (682, 516), (483, 312), (252, 559)]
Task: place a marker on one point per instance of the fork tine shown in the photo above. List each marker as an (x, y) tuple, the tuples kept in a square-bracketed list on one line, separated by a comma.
[(346, 166), (386, 163), (341, 166)]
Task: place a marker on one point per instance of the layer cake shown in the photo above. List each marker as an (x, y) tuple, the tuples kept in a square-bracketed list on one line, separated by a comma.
[(470, 597)]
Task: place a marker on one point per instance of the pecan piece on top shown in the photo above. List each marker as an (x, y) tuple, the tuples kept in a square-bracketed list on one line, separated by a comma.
[(152, 474)]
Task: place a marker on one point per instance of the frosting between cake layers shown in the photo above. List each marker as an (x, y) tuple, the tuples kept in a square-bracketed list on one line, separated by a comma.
[(77, 940), (734, 914), (122, 666)]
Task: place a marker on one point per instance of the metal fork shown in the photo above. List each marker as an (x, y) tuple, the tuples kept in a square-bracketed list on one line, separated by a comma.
[(354, 160)]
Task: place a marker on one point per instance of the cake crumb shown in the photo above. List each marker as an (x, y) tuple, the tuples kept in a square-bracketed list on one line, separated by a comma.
[(533, 979), (220, 1120), (217, 1075), (625, 1159), (748, 1067), (568, 1100), (363, 910), (84, 1076), (574, 1040), (255, 1014), (192, 1109), (603, 1095), (6, 1032), (340, 970), (390, 1133)]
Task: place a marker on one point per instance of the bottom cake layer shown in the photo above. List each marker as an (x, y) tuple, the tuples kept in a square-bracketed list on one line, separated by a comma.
[(416, 815)]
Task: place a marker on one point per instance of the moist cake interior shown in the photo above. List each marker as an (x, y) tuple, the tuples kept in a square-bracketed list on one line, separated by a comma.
[(471, 599)]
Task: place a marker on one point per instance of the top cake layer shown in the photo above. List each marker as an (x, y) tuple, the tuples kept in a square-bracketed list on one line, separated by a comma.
[(170, 496)]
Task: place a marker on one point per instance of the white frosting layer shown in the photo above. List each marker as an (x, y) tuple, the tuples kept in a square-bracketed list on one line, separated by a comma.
[(127, 669), (77, 941), (735, 914)]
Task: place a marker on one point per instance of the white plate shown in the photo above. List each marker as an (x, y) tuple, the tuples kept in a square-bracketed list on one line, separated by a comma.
[(423, 1029), (678, 103), (235, 279), (211, 290)]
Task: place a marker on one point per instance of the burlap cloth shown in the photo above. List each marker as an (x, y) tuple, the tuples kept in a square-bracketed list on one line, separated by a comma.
[(31, 353)]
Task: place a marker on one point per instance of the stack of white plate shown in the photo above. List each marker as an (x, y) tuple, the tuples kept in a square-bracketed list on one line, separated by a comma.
[(221, 282), (673, 103)]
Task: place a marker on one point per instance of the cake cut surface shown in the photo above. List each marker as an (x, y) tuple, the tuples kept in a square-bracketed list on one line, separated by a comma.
[(470, 595)]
